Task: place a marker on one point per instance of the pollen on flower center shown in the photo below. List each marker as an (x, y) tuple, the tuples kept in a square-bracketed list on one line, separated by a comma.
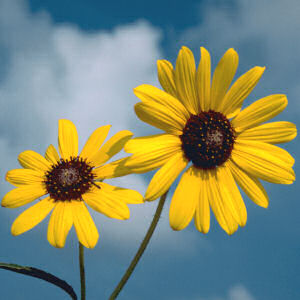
[(69, 179), (207, 139), (68, 176), (214, 137)]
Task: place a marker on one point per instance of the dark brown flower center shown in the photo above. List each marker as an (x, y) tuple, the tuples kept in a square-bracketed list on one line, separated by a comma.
[(69, 179), (207, 139)]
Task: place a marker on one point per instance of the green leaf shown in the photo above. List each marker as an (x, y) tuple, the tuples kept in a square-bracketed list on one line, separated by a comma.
[(37, 273)]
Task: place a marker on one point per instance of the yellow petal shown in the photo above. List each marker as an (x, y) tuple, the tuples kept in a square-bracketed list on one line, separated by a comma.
[(160, 117), (203, 78), (126, 195), (231, 195), (264, 150), (267, 167), (67, 139), (166, 77), (185, 73), (23, 195), (250, 185), (152, 143), (165, 176), (32, 216), (60, 223), (151, 152), (240, 90), (20, 177), (231, 222), (107, 202), (185, 199), (95, 141), (149, 94), (218, 204), (260, 111), (32, 160), (150, 163), (84, 225), (129, 196), (51, 155), (222, 78), (113, 146), (202, 214), (273, 133), (112, 170)]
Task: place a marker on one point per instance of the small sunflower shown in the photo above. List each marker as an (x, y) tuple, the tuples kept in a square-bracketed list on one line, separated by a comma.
[(71, 182), (205, 126)]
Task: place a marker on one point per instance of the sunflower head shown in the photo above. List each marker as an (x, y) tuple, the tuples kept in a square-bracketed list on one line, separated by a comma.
[(206, 130), (207, 139), (71, 181)]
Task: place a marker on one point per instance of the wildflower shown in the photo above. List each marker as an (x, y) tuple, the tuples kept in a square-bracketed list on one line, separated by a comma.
[(70, 182), (205, 126)]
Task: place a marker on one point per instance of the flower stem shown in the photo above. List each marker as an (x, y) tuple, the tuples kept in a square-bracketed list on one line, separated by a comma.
[(142, 248), (82, 271)]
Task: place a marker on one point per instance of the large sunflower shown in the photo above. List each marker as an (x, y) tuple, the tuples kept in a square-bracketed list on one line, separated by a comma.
[(204, 125), (71, 182)]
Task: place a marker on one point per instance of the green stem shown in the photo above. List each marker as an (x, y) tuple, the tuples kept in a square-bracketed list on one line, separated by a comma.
[(82, 271), (142, 248)]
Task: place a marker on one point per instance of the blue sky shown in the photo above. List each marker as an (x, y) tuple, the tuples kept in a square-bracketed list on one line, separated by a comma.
[(80, 60)]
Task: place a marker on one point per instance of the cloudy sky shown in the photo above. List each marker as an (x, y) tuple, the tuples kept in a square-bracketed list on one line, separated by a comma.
[(80, 60)]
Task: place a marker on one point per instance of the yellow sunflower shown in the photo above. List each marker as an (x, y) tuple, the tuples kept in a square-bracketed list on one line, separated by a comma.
[(71, 182), (204, 125)]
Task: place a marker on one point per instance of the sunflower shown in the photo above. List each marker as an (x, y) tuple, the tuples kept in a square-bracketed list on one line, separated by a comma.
[(205, 126), (71, 182)]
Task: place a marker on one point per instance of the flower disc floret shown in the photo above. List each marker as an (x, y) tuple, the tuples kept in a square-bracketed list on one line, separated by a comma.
[(69, 179), (207, 139)]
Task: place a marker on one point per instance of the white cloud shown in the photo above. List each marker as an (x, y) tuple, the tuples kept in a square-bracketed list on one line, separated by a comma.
[(236, 292), (51, 71), (58, 71), (239, 292)]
